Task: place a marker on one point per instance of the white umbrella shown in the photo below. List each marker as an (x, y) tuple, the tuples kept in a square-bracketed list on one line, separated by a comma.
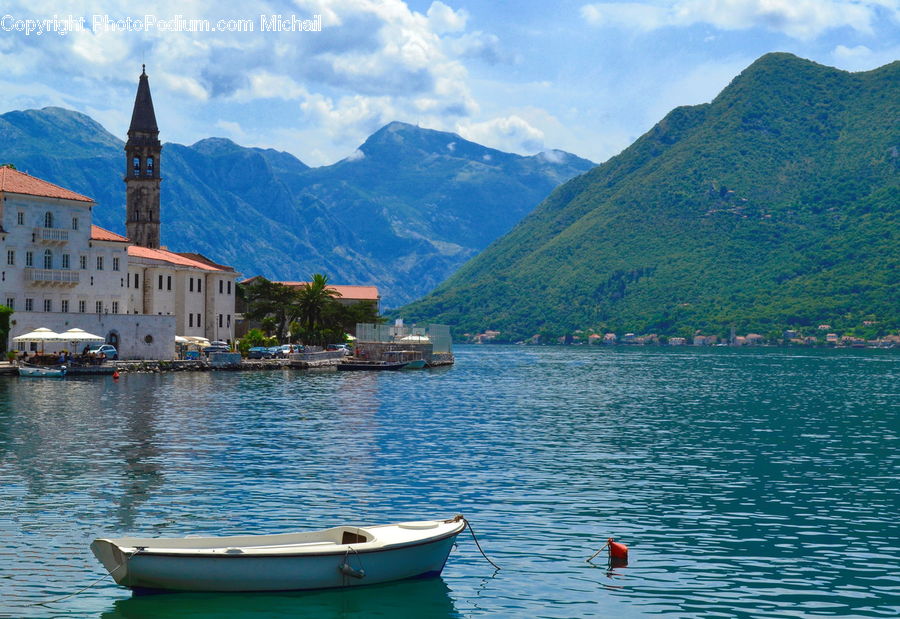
[(179, 339), (415, 338), (40, 335), (80, 335)]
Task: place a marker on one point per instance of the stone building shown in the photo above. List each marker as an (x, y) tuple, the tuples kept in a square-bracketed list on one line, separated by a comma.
[(61, 271)]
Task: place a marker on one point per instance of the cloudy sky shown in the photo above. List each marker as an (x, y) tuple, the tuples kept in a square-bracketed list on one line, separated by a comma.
[(519, 75)]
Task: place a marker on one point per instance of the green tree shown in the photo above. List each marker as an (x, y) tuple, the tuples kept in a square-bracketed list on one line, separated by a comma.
[(271, 301), (5, 313), (344, 318), (255, 337), (313, 298)]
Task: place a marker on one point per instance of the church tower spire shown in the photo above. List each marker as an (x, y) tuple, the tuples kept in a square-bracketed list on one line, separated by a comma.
[(142, 155)]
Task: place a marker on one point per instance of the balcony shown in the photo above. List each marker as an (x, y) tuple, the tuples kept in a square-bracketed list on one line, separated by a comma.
[(51, 235), (52, 277)]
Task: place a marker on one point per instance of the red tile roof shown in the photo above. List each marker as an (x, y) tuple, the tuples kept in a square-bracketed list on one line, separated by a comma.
[(100, 234), (171, 257), (363, 293), (13, 181), (201, 258)]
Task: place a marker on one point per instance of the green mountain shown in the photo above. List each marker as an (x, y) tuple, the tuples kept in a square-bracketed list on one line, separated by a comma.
[(407, 209), (773, 206)]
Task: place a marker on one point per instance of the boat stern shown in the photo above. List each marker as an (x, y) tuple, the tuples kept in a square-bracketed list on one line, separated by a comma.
[(113, 559)]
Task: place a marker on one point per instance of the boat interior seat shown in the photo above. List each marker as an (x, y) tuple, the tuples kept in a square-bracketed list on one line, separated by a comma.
[(349, 537)]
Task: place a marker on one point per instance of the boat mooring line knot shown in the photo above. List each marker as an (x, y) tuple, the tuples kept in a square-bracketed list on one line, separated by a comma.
[(469, 526)]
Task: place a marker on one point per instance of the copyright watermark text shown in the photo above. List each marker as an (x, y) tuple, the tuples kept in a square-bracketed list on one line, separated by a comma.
[(64, 24)]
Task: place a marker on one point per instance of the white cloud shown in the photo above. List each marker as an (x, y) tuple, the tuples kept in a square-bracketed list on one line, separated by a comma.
[(232, 128), (552, 156), (509, 133), (800, 19), (451, 146), (355, 156), (863, 58), (443, 19)]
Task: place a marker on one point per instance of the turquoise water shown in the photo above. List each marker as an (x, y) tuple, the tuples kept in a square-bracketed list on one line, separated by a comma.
[(746, 483)]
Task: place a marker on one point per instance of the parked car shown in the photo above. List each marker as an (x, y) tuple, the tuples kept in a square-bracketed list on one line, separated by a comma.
[(103, 349), (284, 350), (259, 352), (217, 346)]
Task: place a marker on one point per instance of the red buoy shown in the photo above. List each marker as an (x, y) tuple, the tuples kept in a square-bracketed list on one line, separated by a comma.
[(116, 375), (617, 551)]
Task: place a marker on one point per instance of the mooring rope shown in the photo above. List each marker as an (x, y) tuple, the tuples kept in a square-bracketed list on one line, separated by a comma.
[(472, 531), (110, 573), (599, 551)]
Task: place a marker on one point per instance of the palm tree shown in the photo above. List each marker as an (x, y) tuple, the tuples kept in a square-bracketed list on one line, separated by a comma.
[(313, 297)]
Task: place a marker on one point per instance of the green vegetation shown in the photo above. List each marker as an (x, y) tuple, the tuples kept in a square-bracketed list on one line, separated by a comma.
[(308, 314), (775, 206), (404, 212), (5, 313)]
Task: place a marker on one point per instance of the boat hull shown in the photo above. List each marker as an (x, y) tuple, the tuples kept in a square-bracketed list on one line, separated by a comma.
[(40, 372), (370, 366), (148, 570)]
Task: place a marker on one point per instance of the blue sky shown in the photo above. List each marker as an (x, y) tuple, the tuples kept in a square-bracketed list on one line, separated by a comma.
[(522, 76)]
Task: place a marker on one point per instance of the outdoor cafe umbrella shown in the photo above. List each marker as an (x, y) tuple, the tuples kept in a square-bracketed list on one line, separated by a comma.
[(40, 335), (80, 336)]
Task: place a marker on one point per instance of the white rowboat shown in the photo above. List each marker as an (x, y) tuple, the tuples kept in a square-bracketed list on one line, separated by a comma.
[(337, 557), (42, 371)]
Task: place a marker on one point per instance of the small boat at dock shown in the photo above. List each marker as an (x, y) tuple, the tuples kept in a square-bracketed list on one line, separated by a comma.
[(355, 365), (42, 371), (337, 557)]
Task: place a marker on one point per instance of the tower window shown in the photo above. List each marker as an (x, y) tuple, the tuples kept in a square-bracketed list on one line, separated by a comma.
[(149, 166), (135, 166)]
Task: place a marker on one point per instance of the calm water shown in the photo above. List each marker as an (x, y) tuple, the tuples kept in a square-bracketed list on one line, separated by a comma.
[(759, 483)]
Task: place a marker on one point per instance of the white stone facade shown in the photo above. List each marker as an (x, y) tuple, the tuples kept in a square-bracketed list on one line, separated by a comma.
[(50, 262)]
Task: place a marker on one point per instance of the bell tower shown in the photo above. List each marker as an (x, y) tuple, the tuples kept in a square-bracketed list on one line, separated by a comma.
[(142, 154)]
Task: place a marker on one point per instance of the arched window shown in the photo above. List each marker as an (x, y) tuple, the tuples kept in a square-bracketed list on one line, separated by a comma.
[(135, 166), (48, 220), (149, 166), (48, 259)]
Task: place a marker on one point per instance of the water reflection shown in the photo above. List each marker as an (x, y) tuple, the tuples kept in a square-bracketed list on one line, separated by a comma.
[(749, 483), (425, 599)]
